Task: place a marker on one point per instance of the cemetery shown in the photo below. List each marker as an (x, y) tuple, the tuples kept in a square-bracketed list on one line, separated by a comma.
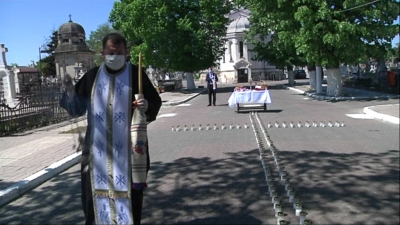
[(26, 105), (29, 100)]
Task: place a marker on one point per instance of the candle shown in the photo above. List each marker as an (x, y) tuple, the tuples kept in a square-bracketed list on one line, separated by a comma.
[(140, 74), (283, 222), (290, 192), (298, 208), (296, 199), (291, 197), (271, 188), (279, 215), (274, 195), (267, 172), (287, 185), (278, 209), (283, 180), (303, 215), (307, 222), (296, 202), (275, 200)]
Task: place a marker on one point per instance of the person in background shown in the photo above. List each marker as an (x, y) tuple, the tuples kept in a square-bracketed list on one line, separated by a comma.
[(211, 79)]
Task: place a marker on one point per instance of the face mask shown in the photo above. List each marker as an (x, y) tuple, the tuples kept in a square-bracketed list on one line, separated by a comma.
[(115, 62)]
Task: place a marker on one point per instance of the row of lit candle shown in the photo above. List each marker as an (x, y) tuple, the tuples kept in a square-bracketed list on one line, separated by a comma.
[(209, 127), (283, 175), (306, 124)]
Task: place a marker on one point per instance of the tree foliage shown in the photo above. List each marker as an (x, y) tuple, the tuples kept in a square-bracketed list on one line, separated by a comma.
[(181, 35), (328, 32), (275, 46), (95, 40), (47, 64)]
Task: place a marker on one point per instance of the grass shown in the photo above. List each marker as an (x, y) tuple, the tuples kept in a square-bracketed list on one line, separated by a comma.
[(80, 129)]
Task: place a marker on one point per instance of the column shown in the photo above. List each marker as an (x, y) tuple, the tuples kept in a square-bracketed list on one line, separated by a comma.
[(235, 50), (226, 53), (230, 51), (245, 51)]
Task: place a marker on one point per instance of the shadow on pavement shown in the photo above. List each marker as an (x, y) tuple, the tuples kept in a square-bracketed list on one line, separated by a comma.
[(55, 202), (226, 219), (336, 188), (258, 110), (341, 188)]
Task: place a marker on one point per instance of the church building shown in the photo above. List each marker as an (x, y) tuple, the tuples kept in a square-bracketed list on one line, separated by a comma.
[(237, 65)]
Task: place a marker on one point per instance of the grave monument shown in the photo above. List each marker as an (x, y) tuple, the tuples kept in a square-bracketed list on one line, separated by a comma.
[(7, 78)]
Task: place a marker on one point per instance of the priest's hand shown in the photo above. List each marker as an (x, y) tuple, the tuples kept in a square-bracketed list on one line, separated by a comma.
[(68, 86), (141, 104)]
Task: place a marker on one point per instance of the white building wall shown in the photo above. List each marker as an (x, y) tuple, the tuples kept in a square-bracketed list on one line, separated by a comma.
[(256, 69)]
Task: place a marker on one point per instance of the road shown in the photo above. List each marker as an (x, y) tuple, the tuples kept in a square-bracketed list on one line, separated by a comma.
[(342, 175)]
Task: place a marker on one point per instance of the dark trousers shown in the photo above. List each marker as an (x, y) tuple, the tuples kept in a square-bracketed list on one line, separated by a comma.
[(212, 92), (87, 198)]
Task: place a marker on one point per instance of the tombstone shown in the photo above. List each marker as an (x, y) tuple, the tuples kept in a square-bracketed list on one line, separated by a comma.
[(7, 77), (16, 70), (152, 75)]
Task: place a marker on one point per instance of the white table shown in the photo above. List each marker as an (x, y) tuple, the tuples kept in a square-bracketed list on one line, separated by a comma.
[(247, 99)]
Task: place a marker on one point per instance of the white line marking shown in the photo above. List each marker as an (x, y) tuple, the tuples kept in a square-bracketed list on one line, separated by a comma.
[(359, 116), (167, 115)]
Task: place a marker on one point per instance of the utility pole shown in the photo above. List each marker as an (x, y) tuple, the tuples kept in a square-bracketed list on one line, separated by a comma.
[(40, 62)]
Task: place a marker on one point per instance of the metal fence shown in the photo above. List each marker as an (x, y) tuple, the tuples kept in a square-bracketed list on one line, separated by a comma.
[(38, 106)]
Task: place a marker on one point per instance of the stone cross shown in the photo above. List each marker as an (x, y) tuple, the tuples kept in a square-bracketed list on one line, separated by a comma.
[(392, 62), (3, 50)]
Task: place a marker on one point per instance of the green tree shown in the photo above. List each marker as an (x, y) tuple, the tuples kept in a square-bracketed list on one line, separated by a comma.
[(95, 40), (179, 35), (331, 32), (46, 65), (267, 40)]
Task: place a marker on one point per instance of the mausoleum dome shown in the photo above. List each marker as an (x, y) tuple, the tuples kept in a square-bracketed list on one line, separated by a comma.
[(238, 25), (71, 38), (71, 27)]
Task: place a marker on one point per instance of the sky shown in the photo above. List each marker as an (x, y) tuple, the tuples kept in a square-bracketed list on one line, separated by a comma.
[(26, 24)]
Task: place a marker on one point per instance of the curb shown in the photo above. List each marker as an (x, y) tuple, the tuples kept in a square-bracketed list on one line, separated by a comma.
[(380, 116), (21, 187), (320, 97), (366, 110), (51, 126), (184, 100)]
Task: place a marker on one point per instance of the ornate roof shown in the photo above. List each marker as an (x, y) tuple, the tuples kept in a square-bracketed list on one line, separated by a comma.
[(238, 25), (71, 27), (71, 38)]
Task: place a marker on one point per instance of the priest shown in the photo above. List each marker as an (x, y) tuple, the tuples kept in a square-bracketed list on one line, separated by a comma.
[(107, 94)]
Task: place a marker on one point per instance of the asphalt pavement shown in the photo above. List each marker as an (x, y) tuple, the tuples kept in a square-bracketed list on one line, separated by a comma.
[(48, 152)]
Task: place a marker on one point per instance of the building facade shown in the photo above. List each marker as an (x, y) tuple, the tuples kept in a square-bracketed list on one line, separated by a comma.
[(237, 65)]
